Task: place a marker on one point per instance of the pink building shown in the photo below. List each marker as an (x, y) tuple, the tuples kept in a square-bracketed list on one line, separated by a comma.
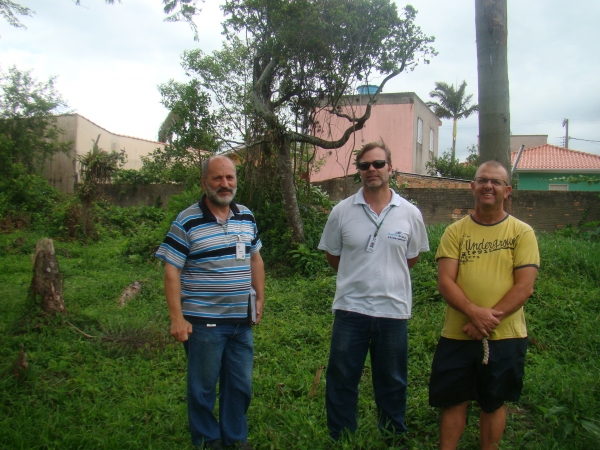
[(403, 120)]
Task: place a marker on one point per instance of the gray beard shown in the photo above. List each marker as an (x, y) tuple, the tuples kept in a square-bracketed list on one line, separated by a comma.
[(221, 201)]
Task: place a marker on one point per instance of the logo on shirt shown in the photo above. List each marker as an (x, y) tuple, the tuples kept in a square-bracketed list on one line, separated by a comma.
[(398, 236), (471, 250)]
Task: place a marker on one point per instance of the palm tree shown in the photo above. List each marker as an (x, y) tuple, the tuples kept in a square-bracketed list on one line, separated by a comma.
[(452, 104)]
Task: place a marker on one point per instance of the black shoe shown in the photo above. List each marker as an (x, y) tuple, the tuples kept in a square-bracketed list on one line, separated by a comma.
[(241, 446), (212, 445)]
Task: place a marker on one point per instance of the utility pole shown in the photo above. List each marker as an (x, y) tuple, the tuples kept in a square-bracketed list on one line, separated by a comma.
[(566, 125)]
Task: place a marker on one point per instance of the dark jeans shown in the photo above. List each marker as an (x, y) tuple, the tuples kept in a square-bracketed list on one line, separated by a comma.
[(387, 341), (225, 353)]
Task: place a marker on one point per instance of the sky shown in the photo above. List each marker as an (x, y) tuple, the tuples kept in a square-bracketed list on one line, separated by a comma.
[(109, 60)]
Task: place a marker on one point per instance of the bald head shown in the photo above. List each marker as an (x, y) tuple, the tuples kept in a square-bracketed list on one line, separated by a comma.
[(493, 165), (216, 159)]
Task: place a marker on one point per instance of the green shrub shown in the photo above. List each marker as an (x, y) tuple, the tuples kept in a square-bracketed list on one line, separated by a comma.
[(26, 197)]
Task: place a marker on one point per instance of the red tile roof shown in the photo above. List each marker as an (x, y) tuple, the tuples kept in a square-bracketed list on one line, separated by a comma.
[(553, 157)]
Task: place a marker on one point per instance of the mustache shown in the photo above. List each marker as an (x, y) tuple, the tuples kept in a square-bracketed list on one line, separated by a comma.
[(224, 189)]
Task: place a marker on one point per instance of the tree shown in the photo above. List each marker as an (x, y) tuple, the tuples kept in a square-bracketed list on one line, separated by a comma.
[(300, 61), (28, 131), (190, 123), (10, 10), (189, 131), (492, 74), (446, 166), (186, 12), (452, 104)]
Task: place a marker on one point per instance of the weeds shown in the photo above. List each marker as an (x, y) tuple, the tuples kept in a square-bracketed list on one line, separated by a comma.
[(125, 386)]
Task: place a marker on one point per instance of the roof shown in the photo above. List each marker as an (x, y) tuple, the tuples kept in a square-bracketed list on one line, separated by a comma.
[(551, 157)]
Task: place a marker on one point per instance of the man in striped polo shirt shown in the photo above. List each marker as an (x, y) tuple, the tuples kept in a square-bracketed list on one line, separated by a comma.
[(212, 260)]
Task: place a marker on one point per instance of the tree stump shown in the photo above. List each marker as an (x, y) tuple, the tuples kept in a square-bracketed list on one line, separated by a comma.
[(46, 280), (130, 292), (20, 365)]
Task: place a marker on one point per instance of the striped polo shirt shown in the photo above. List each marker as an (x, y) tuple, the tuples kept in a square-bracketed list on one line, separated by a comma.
[(215, 286)]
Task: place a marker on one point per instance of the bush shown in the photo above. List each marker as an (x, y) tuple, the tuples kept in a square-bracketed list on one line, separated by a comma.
[(445, 167), (154, 226), (25, 198)]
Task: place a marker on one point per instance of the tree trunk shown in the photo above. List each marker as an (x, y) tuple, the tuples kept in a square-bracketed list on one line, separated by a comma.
[(454, 140), (46, 280), (492, 71), (286, 180)]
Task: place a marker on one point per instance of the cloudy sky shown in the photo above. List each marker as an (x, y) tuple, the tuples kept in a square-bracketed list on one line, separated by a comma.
[(109, 60)]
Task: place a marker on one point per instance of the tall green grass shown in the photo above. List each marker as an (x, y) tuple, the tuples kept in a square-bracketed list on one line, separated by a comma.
[(124, 388)]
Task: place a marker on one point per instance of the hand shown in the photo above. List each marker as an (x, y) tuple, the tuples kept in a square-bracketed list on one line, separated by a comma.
[(470, 330), (181, 329), (485, 320), (260, 304)]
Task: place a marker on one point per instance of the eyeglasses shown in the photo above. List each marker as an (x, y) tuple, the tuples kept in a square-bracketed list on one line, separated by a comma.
[(495, 181), (377, 164)]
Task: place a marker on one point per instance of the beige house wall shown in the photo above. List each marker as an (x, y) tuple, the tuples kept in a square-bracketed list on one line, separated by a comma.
[(62, 170), (528, 140), (394, 119)]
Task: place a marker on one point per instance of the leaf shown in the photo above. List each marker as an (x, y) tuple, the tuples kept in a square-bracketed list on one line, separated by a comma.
[(556, 411), (591, 427)]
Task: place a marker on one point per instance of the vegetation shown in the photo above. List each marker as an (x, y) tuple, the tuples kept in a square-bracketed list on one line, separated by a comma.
[(295, 69), (29, 135), (122, 383), (452, 104), (10, 11), (585, 230), (447, 166)]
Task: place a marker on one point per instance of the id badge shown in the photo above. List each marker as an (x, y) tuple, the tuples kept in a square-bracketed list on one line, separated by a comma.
[(240, 251), (372, 243)]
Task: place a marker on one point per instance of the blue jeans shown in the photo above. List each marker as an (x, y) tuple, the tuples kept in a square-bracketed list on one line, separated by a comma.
[(225, 353), (353, 336)]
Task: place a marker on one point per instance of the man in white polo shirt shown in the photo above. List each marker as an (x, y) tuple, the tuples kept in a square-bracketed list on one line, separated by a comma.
[(371, 239)]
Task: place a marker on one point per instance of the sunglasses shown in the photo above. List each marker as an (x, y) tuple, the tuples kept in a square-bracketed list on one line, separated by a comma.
[(377, 164)]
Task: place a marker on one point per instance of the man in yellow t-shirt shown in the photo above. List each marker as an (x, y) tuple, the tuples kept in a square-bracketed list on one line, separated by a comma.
[(487, 266)]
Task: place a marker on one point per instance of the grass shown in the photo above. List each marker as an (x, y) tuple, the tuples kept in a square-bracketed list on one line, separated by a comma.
[(125, 387)]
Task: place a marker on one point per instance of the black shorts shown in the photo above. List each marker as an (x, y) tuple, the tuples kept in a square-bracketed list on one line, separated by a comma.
[(458, 374)]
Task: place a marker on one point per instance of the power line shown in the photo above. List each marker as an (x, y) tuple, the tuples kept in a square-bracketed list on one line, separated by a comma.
[(586, 140)]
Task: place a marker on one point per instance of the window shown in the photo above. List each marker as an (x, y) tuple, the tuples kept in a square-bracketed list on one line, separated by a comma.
[(419, 130), (431, 140), (558, 187)]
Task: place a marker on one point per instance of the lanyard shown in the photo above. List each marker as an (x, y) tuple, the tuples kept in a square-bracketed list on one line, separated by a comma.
[(373, 220)]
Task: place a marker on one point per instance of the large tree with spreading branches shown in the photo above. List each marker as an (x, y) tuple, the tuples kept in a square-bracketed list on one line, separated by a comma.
[(289, 65)]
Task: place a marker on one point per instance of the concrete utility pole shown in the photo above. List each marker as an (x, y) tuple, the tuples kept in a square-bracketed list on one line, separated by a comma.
[(566, 125)]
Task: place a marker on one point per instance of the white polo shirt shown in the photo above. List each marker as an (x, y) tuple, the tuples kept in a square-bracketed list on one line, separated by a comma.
[(374, 283)]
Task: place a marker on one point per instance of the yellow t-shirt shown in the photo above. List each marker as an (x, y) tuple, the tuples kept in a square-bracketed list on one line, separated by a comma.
[(487, 257)]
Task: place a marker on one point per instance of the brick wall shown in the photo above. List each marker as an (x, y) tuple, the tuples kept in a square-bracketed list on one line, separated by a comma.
[(543, 210), (429, 182)]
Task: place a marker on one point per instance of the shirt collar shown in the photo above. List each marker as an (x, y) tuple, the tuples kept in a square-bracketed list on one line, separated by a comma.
[(359, 198), (206, 212)]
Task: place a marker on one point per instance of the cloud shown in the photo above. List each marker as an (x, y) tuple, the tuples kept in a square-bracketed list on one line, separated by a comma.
[(109, 60)]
